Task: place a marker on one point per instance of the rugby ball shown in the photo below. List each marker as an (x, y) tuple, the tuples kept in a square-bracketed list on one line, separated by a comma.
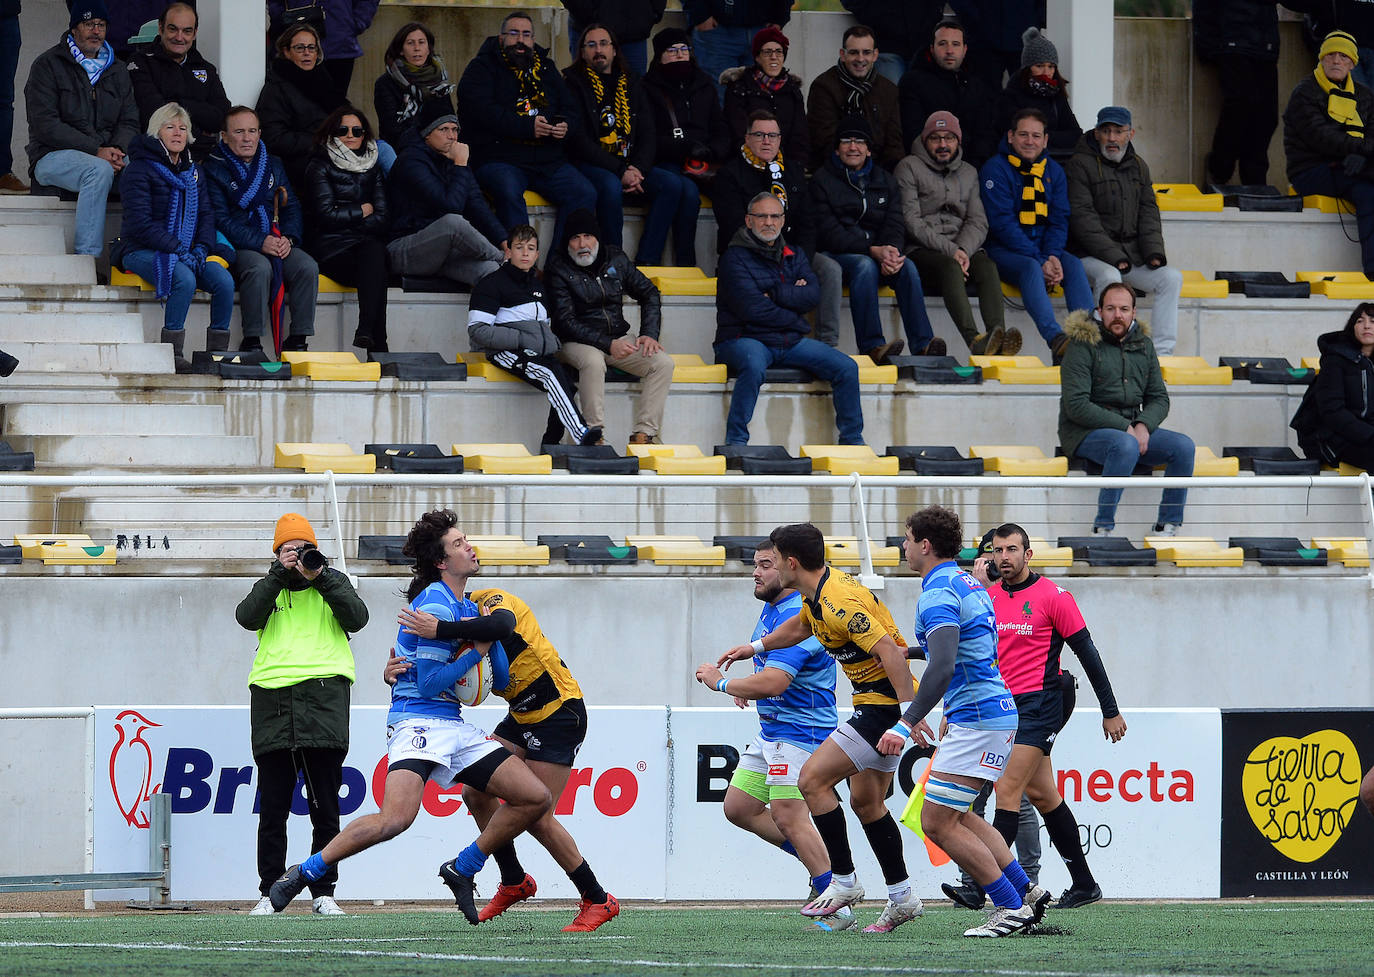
[(475, 685)]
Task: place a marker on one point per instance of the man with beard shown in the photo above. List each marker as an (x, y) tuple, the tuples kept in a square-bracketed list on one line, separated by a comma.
[(938, 81), (854, 87), (588, 280), (795, 692), (518, 115), (1114, 224)]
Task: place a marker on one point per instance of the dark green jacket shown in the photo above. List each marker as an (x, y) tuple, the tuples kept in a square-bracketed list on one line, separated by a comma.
[(1105, 383), (1113, 215)]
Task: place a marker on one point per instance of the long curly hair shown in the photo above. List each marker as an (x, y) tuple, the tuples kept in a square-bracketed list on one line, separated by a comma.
[(425, 546)]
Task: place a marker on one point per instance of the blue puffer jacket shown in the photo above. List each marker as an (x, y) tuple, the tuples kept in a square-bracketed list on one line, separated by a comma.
[(1001, 189), (147, 196), (756, 295), (238, 226), (424, 186)]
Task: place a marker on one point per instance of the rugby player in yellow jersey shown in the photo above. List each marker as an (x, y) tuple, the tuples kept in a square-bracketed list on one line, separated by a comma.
[(857, 630), (545, 727)]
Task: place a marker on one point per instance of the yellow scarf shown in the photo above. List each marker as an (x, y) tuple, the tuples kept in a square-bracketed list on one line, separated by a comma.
[(775, 173), (614, 119), (1035, 205), (1340, 103)]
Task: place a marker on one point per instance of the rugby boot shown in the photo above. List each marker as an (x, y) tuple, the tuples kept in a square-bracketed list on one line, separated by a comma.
[(593, 915), (1038, 898), (836, 922), (968, 896), (463, 888), (1005, 922), (287, 887), (1073, 898), (834, 898), (894, 914), (507, 896)]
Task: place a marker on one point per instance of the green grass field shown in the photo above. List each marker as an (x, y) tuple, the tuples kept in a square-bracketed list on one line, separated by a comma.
[(1267, 939)]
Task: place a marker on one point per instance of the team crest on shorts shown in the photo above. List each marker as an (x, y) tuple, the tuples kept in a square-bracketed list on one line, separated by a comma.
[(419, 742), (859, 623)]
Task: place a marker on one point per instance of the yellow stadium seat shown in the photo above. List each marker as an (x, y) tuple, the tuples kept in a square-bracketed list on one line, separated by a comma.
[(686, 286), (1195, 551), (1045, 555), (502, 459), (1193, 370), (1207, 464), (1311, 362), (843, 551), (1352, 551), (1016, 369), (330, 365), (849, 459), (509, 551), (1012, 292), (676, 459), (691, 368), (533, 199), (323, 456), (480, 366), (63, 554), (679, 551), (329, 286), (1185, 196), (1343, 285), (1018, 459), (128, 278), (870, 372), (1327, 205), (31, 544), (1344, 468), (1195, 286)]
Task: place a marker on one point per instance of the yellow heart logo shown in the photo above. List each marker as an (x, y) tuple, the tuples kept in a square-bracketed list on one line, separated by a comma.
[(1301, 792)]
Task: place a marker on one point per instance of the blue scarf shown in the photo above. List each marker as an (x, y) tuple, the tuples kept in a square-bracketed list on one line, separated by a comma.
[(182, 217), (94, 67), (252, 182)]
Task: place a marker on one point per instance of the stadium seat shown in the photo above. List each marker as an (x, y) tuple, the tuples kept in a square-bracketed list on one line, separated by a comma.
[(248, 365), (1254, 197), (1346, 286), (1012, 292), (1194, 371), (1195, 551), (414, 459), (934, 459), (1108, 551), (676, 459), (762, 459), (935, 369), (588, 550), (1279, 551), (128, 279), (64, 549), (319, 365), (590, 459), (739, 548), (872, 373), (1351, 551), (1196, 286), (1267, 369), (843, 551), (1344, 469), (1016, 369), (419, 366), (1265, 285), (1045, 555), (329, 286), (1272, 461), (1327, 204), (1018, 459), (14, 461), (323, 456), (691, 368), (432, 284), (680, 281), (503, 459), (1186, 196), (479, 366), (534, 199), (509, 551), (11, 556), (849, 459), (1206, 464), (385, 549), (678, 551), (1312, 363)]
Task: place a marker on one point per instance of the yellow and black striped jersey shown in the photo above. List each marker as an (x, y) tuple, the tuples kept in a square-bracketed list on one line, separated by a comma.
[(849, 620), (539, 681)]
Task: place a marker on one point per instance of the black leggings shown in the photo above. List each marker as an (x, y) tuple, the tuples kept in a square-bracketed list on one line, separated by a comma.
[(277, 774)]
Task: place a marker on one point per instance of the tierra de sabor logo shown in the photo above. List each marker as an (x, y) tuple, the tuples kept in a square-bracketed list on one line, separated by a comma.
[(1301, 793)]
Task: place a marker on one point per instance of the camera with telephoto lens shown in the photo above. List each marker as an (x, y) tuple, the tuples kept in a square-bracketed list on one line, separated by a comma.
[(312, 559)]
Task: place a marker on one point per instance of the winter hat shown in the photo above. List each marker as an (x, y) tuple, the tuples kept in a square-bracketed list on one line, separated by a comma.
[(1339, 42), (855, 127), (1036, 48), (433, 114), (766, 35), (1114, 115), (668, 37), (85, 10), (293, 526), (581, 221), (942, 121)]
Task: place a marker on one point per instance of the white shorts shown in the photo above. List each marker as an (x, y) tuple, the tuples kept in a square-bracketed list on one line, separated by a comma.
[(452, 744), (780, 762), (980, 753)]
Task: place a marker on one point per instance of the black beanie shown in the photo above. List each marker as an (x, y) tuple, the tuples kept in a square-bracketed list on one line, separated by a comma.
[(434, 113), (581, 221), (669, 36)]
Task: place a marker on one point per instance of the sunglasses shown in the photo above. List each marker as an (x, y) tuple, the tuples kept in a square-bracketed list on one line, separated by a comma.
[(349, 130)]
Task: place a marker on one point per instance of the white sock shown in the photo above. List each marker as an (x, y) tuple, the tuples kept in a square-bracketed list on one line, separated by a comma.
[(845, 880), (899, 891)]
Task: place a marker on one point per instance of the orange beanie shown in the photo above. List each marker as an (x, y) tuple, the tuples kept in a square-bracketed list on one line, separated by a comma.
[(293, 526)]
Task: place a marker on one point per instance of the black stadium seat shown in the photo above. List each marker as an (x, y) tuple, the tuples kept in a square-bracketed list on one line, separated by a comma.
[(415, 459), (14, 461), (1108, 551), (1279, 551), (1267, 369), (935, 369), (588, 550), (1272, 461), (419, 366), (762, 459), (1256, 197), (590, 459), (934, 459), (1264, 285), (387, 548), (739, 547)]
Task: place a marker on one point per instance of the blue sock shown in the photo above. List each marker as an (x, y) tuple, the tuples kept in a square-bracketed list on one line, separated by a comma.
[(1003, 894), (470, 860), (313, 868), (1016, 875), (787, 847), (821, 882)]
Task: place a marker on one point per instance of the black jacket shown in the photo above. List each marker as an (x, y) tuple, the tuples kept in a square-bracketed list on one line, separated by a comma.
[(1337, 411), (389, 99), (1064, 129), (738, 181), (738, 13), (587, 302), (1244, 27), (903, 27), (66, 112), (494, 129), (334, 199), (628, 21), (853, 215), (700, 119), (194, 84), (927, 88), (290, 113), (583, 145), (743, 96), (424, 186), (1311, 138)]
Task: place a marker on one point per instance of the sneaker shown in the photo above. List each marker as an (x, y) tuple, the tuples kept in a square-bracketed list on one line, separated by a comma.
[(326, 906), (263, 908), (896, 913), (593, 915), (1005, 922), (9, 183), (287, 887), (1107, 531), (968, 896), (835, 922), (1166, 528), (507, 896), (1073, 898), (833, 899), (1038, 898), (1011, 342), (592, 436), (463, 888)]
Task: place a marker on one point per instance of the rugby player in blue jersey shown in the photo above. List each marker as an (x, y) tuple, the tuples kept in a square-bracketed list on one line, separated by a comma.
[(427, 738), (957, 632), (795, 692)]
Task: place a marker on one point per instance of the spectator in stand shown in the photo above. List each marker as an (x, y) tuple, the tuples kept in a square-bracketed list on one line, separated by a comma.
[(759, 168), (344, 20), (629, 23), (995, 29), (171, 69), (941, 81), (855, 87), (345, 200), (588, 281), (1026, 198), (1353, 17), (1114, 224), (126, 20), (765, 289), (443, 223), (82, 115), (900, 29), (1039, 85), (168, 230), (414, 78), (859, 225), (614, 145), (10, 42), (517, 112), (767, 86), (297, 96), (723, 31), (943, 213), (1327, 136), (1241, 38), (1335, 422), (250, 190)]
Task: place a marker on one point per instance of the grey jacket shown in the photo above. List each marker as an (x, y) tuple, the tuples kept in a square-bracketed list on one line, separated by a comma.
[(66, 112), (941, 206)]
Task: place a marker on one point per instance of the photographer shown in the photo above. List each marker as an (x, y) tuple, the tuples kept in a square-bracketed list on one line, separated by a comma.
[(303, 612)]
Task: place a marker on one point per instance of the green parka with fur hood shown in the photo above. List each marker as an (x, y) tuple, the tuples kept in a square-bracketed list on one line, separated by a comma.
[(1105, 382)]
